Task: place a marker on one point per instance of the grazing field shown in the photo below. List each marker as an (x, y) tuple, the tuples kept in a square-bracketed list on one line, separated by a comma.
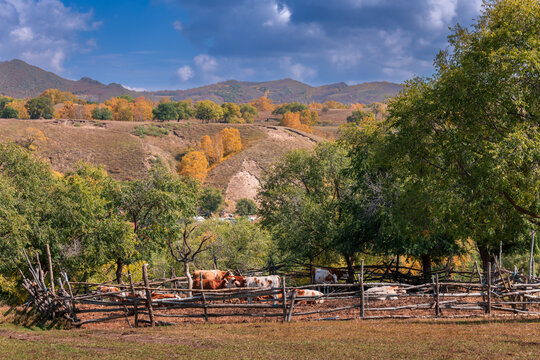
[(381, 339)]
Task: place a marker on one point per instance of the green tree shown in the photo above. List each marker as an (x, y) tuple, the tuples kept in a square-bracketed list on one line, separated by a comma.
[(210, 201), (102, 113), (246, 207), (292, 107), (359, 116), (165, 111), (207, 110), (232, 113), (9, 113), (129, 98), (40, 107), (249, 112), (184, 110)]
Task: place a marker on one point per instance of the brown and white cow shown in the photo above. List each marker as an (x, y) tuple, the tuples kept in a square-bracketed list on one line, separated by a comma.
[(263, 282), (327, 276), (215, 275), (112, 289), (209, 284), (310, 293), (385, 292)]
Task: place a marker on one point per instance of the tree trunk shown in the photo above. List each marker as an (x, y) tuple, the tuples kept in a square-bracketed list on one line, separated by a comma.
[(189, 279), (350, 268), (426, 266), (484, 256), (119, 268)]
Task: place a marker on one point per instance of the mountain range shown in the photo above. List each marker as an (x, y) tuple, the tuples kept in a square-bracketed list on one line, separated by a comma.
[(21, 80)]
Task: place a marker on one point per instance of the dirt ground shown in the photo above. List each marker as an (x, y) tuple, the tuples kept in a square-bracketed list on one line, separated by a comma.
[(248, 317)]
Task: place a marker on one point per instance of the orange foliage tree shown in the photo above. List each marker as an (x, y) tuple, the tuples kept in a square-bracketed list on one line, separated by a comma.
[(58, 96), (356, 106), (121, 109), (18, 105), (142, 109), (86, 111), (315, 106), (69, 110), (309, 117), (194, 164), (231, 140), (292, 120), (212, 149), (332, 104), (263, 104)]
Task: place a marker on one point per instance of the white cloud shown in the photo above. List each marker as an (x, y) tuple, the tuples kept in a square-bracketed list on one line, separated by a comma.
[(441, 13), (206, 63), (22, 34), (279, 15), (185, 73), (140, 89), (177, 25), (43, 33), (296, 70)]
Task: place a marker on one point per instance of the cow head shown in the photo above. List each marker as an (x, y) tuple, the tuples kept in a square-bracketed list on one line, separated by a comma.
[(235, 282)]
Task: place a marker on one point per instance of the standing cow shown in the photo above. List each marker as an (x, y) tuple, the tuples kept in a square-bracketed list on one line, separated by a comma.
[(260, 282), (327, 276)]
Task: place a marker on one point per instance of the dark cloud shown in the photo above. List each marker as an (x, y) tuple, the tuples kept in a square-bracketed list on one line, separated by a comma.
[(321, 40)]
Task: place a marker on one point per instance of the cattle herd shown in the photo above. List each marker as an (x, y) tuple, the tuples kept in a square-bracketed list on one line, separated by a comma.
[(220, 279)]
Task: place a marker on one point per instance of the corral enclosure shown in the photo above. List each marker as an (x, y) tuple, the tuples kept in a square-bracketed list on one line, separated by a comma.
[(496, 292)]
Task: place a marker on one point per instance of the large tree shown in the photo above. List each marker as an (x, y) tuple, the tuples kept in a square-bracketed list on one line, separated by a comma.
[(472, 130)]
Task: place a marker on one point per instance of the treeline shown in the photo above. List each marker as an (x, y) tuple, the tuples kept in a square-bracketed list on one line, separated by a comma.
[(453, 169)]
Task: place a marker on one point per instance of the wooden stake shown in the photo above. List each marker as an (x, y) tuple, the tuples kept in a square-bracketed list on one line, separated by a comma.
[(148, 295), (436, 295), (292, 306), (531, 259), (203, 297), (489, 288), (51, 276), (135, 299), (362, 294), (284, 297), (500, 254)]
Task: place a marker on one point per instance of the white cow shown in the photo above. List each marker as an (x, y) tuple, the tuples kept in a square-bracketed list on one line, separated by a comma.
[(385, 292)]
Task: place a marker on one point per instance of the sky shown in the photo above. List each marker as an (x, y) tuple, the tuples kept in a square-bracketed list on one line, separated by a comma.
[(180, 44)]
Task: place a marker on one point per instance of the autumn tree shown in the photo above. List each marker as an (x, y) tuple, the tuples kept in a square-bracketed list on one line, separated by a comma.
[(19, 105), (291, 107), (212, 148), (194, 165), (360, 116), (263, 104), (184, 109), (332, 104), (31, 138), (309, 117), (142, 109), (292, 120), (7, 111), (231, 140), (69, 110), (58, 96), (121, 108)]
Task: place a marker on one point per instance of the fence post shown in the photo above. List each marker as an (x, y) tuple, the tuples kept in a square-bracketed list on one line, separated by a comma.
[(203, 297), (292, 306), (51, 276), (488, 280), (148, 295), (531, 259), (135, 299), (361, 284), (437, 306), (284, 297)]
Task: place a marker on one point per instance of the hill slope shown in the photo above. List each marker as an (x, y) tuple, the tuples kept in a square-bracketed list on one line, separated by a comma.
[(126, 156), (21, 80)]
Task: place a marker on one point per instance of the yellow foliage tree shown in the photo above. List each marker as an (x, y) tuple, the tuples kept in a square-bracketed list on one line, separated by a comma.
[(356, 106), (315, 106), (87, 111), (142, 109), (31, 138), (194, 164), (69, 110), (292, 120), (121, 109), (19, 106), (263, 104), (309, 118), (332, 104), (231, 140), (213, 150), (58, 96)]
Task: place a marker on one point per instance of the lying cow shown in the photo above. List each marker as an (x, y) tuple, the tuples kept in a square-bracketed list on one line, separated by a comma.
[(112, 289), (310, 293), (327, 276), (215, 275), (260, 282), (385, 292)]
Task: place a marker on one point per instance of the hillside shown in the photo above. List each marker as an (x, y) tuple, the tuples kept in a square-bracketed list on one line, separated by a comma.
[(21, 80), (126, 156)]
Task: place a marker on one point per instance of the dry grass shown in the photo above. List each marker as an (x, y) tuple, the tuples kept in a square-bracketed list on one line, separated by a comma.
[(382, 339)]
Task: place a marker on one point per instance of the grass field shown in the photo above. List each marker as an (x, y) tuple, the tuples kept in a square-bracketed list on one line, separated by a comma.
[(382, 339)]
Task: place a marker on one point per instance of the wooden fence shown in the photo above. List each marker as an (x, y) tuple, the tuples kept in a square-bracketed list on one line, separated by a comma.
[(495, 292)]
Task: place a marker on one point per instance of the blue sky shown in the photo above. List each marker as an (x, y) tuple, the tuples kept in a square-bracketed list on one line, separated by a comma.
[(178, 44)]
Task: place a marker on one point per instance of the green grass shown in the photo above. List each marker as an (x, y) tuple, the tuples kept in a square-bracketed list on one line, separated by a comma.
[(472, 339), (150, 130)]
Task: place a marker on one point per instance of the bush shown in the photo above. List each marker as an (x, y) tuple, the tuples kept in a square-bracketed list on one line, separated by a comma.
[(150, 130), (245, 207)]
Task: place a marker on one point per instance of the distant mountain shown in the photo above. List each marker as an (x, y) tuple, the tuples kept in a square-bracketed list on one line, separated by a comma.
[(21, 80)]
